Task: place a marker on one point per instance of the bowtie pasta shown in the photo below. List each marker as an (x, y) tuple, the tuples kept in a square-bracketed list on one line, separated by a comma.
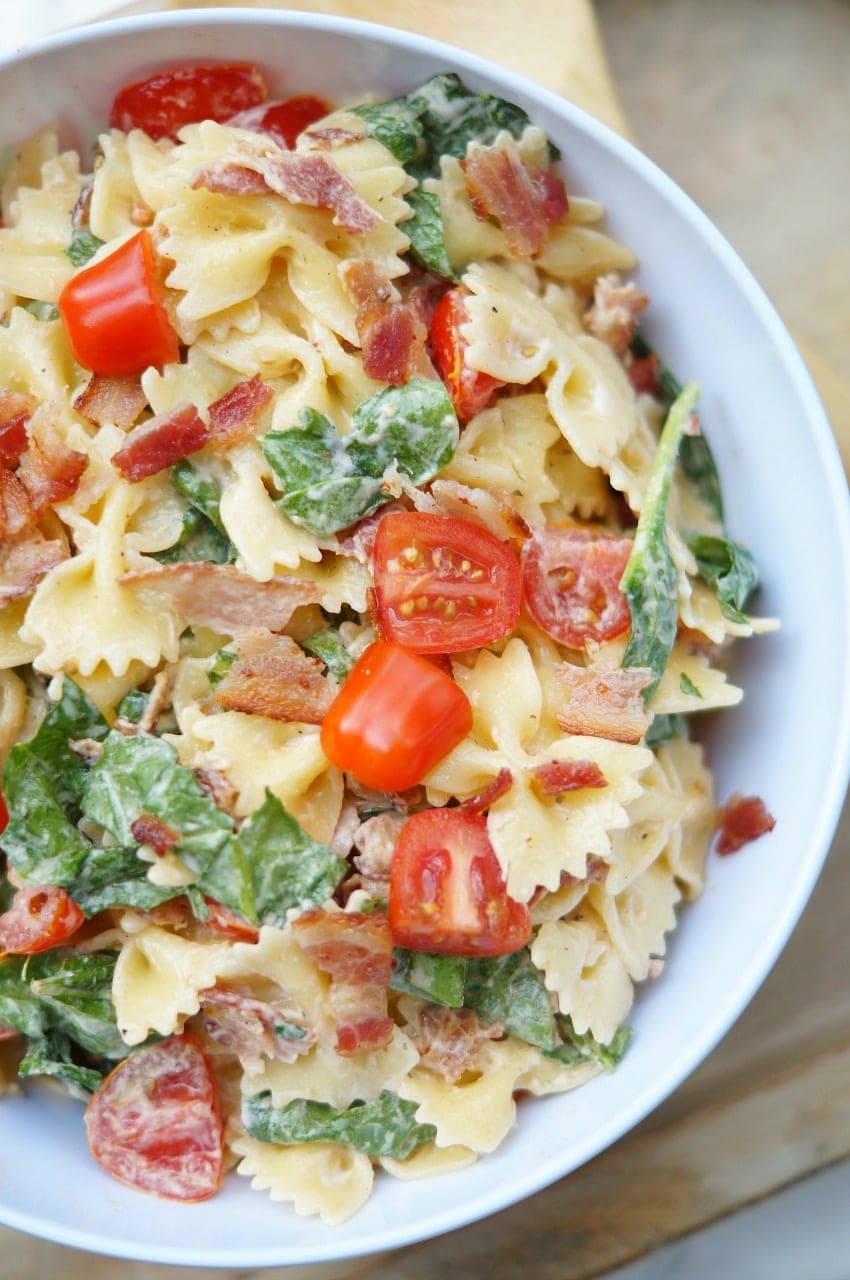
[(361, 569)]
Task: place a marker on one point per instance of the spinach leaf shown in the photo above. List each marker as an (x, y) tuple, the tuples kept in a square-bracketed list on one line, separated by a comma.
[(510, 989), (83, 246), (327, 646), (427, 234), (132, 706), (74, 991), (396, 124), (650, 579), (202, 492), (19, 1008), (287, 867), (220, 664), (664, 728), (730, 567), (117, 877), (42, 310), (51, 1055), (331, 481), (439, 979), (385, 1127), (687, 686), (577, 1049), (199, 540)]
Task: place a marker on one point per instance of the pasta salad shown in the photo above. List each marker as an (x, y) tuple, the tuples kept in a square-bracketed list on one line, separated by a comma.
[(361, 567)]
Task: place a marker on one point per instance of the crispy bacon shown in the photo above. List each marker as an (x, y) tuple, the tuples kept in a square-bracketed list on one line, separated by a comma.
[(160, 442), (15, 510), (604, 704), (88, 749), (525, 202), (223, 598), (448, 1039), (255, 1030), (555, 777), (234, 416), (356, 952), (481, 507), (16, 409), (741, 820), (8, 1033), (219, 788), (300, 178), (159, 835), (116, 400), (615, 310), (23, 564), (273, 676), (643, 374), (49, 471), (495, 789), (392, 334), (331, 136)]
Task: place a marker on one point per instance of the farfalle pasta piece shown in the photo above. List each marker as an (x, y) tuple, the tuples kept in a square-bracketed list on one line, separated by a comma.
[(585, 972), (326, 1179)]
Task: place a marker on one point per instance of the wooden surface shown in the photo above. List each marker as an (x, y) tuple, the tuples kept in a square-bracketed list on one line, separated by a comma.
[(747, 105)]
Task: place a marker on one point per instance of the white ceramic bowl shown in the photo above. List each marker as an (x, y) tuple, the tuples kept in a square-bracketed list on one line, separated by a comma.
[(786, 498)]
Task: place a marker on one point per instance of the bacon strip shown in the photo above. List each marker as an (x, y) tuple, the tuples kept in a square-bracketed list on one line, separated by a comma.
[(116, 400), (49, 471), (356, 952), (16, 409), (234, 416), (252, 1028), (525, 202), (555, 777), (223, 598), (15, 509), (614, 314), (160, 442), (481, 507), (448, 1039), (159, 835), (331, 136), (643, 374), (308, 179), (273, 676), (25, 563), (392, 334), (498, 787), (741, 820), (604, 704)]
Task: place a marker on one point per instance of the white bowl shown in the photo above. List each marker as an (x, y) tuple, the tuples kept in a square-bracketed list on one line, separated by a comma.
[(789, 742)]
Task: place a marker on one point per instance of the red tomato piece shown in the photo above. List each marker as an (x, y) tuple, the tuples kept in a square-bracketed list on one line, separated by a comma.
[(164, 102), (470, 390), (447, 892), (396, 716), (443, 585), (155, 1124), (229, 924), (113, 313), (285, 121), (572, 578), (4, 814), (40, 917)]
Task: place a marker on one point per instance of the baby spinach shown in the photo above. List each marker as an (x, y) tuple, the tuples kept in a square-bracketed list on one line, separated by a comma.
[(220, 663), (329, 649), (51, 1054), (330, 481), (510, 989), (730, 567), (203, 536), (84, 245), (576, 1049), (650, 579), (664, 728), (439, 979), (385, 1127), (116, 877), (426, 232), (395, 124)]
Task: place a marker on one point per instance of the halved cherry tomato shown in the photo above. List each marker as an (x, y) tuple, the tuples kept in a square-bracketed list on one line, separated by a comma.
[(113, 313), (443, 585), (285, 120), (396, 716), (4, 814), (572, 578), (155, 1124), (40, 917), (470, 390), (447, 892), (167, 100)]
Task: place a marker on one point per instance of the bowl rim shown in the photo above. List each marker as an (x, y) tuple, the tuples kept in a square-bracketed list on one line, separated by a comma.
[(537, 1176)]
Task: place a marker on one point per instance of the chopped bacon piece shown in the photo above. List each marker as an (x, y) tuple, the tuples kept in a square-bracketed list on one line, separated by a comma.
[(273, 676), (448, 1039), (229, 923), (255, 1030), (234, 416), (392, 333), (331, 136), (82, 209), (150, 830), (451, 498), (525, 202), (375, 840), (49, 471), (16, 409), (223, 598), (555, 777), (356, 952), (604, 704), (219, 788), (23, 564), (88, 749), (741, 820), (15, 510), (8, 1033), (643, 374), (616, 307), (495, 789), (300, 178), (116, 400), (160, 442)]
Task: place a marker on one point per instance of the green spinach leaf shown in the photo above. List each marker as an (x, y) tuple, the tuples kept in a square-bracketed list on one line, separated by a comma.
[(577, 1049), (74, 991), (385, 1127), (730, 567), (664, 728), (329, 649), (396, 124), (439, 979), (427, 233), (51, 1055), (42, 310), (510, 989), (19, 1008), (84, 245), (199, 540), (117, 877)]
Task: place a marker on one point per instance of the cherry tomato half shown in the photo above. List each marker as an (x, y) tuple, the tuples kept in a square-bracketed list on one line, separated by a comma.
[(113, 313), (4, 814), (443, 585), (572, 578), (396, 716), (447, 892), (284, 121), (164, 102), (470, 390), (154, 1123), (40, 917)]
